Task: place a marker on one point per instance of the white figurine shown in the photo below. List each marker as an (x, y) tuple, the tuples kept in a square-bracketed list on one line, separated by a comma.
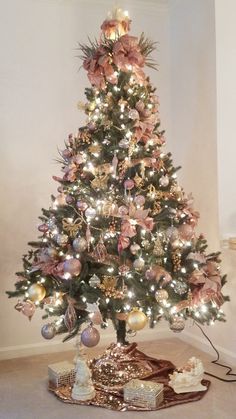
[(83, 388), (188, 378)]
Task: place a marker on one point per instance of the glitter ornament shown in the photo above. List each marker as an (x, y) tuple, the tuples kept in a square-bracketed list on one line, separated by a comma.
[(123, 210), (69, 199), (94, 281), (90, 212), (150, 274), (139, 200), (90, 336), (133, 114), (161, 295), (172, 233), (62, 239), (26, 307), (158, 249), (180, 287), (177, 324), (72, 266), (164, 181), (129, 184), (186, 232), (124, 143), (134, 248), (80, 244), (36, 292), (136, 319), (48, 331), (138, 264), (70, 317)]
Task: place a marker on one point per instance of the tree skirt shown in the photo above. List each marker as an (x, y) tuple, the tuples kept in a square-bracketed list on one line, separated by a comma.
[(117, 366)]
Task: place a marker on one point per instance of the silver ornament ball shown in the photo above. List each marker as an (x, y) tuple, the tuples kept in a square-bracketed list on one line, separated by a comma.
[(48, 331)]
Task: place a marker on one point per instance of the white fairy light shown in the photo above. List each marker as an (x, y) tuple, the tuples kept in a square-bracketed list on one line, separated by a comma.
[(107, 300), (42, 280), (130, 294), (183, 270), (84, 299), (67, 275)]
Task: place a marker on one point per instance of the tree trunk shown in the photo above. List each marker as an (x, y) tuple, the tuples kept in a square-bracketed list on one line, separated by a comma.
[(121, 332)]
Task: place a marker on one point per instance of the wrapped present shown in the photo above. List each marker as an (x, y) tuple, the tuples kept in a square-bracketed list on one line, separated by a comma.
[(61, 373), (188, 378), (143, 393)]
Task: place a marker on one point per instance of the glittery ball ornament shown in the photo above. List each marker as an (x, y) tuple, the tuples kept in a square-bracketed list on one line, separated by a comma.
[(90, 336), (134, 248), (136, 319), (177, 324), (172, 233), (139, 200), (48, 331), (161, 295), (36, 292), (72, 266), (138, 264), (80, 244), (164, 181), (180, 287), (81, 205), (43, 228), (62, 239), (129, 184), (90, 212), (186, 231)]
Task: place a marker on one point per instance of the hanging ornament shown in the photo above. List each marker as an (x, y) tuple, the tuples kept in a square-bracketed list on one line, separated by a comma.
[(48, 331), (80, 244), (128, 184), (51, 252), (150, 274), (100, 252), (134, 248), (138, 264), (180, 287), (122, 210), (108, 286), (176, 260), (114, 165), (26, 307), (100, 182), (95, 149), (161, 295), (164, 181), (70, 227), (90, 212), (69, 199), (138, 181), (139, 200), (146, 244), (43, 228), (133, 114), (62, 239), (70, 317), (186, 232), (177, 324), (176, 244), (81, 205), (36, 292), (158, 249), (72, 266), (61, 199), (94, 281), (136, 319), (90, 336), (172, 233), (96, 317), (156, 208)]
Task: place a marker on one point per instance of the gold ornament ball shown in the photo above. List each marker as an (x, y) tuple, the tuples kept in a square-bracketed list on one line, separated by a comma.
[(36, 292), (136, 320), (161, 295)]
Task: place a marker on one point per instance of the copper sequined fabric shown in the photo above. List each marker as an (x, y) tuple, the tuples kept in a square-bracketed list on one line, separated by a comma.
[(118, 365)]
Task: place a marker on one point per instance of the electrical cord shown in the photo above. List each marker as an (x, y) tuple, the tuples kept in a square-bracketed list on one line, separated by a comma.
[(229, 372)]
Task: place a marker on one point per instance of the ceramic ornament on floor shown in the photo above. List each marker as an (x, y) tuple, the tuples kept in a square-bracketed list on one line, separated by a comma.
[(118, 243)]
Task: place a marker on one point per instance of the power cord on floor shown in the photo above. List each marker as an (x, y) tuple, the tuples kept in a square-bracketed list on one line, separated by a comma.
[(229, 372)]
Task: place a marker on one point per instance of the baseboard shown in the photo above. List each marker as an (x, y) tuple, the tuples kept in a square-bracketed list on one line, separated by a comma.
[(202, 344), (47, 347)]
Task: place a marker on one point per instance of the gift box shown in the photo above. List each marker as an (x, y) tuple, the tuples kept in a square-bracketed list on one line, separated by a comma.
[(61, 373), (143, 393)]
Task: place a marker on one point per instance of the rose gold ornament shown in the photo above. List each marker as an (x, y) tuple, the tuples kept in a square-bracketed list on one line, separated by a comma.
[(186, 231), (139, 200), (43, 228), (82, 206), (129, 184), (134, 248), (161, 295), (138, 264), (72, 266)]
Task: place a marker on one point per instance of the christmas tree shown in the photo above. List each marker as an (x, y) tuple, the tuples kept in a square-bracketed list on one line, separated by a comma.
[(118, 242)]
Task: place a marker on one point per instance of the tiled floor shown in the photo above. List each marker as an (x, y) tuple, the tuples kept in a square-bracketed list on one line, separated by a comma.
[(24, 395)]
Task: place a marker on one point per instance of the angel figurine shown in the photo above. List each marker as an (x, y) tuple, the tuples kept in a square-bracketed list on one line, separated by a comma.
[(188, 378), (83, 388)]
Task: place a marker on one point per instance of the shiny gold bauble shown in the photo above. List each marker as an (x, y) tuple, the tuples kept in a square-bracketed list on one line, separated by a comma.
[(36, 292), (136, 319), (161, 295)]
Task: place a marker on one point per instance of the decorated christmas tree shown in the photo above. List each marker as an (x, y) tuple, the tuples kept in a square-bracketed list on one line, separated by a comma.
[(118, 241)]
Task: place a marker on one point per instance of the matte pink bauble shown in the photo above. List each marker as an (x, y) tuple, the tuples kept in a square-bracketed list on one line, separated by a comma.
[(28, 309), (123, 210), (129, 184), (72, 266), (90, 336), (150, 274), (134, 248), (96, 317)]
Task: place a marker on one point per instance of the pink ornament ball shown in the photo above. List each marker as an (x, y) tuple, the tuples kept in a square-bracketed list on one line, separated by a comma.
[(90, 336), (69, 199), (123, 210), (186, 231), (129, 184), (81, 205), (150, 274), (72, 266), (139, 200), (43, 228), (28, 309), (96, 317)]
